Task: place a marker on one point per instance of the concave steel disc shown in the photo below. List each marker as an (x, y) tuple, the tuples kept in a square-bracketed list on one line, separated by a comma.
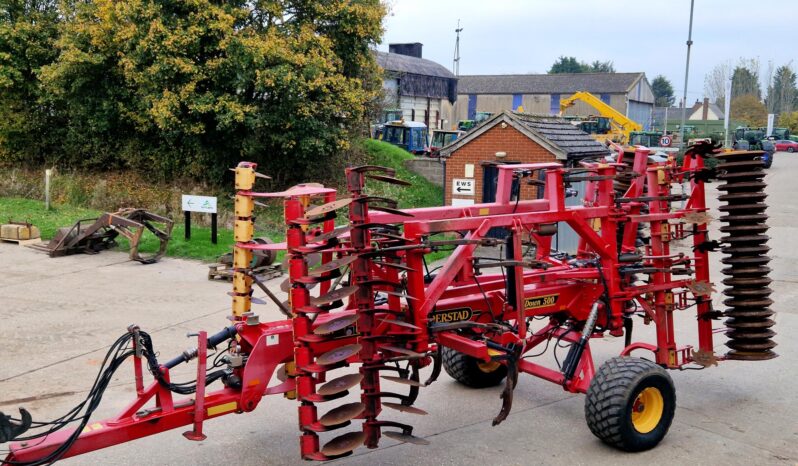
[(338, 354), (334, 295), (404, 409), (401, 324), (343, 443), (342, 414), (401, 437), (748, 303), (751, 356), (403, 381), (339, 384), (334, 233), (336, 324), (328, 207), (332, 265), (400, 350), (743, 197)]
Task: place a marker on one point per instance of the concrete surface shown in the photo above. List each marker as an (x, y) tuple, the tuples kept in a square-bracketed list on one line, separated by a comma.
[(59, 315)]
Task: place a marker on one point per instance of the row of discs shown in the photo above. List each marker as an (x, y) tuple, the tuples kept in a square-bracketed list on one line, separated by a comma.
[(745, 248)]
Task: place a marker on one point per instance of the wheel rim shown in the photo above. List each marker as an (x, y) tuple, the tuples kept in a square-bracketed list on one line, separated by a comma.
[(647, 410), (488, 367)]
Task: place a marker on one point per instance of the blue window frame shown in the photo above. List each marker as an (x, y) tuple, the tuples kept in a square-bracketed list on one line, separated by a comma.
[(605, 98), (517, 101), (472, 106), (554, 109)]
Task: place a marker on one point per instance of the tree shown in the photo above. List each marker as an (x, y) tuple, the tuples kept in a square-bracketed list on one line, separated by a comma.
[(789, 120), (190, 88), (715, 82), (745, 79), (782, 93), (749, 110), (572, 65), (567, 65), (28, 32), (663, 91)]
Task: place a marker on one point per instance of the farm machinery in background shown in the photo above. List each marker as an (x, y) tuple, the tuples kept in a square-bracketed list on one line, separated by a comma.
[(365, 313), (608, 124)]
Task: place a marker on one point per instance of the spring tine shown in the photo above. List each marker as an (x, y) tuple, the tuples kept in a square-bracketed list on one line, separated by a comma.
[(389, 210), (389, 179), (336, 324), (340, 384), (403, 381), (334, 295), (328, 207), (343, 443), (406, 438), (338, 354), (342, 414), (404, 409)]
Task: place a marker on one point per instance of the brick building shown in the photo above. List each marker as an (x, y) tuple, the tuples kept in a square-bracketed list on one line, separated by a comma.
[(510, 137)]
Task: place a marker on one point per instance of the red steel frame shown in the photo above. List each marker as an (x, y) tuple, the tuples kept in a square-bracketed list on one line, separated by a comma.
[(456, 285)]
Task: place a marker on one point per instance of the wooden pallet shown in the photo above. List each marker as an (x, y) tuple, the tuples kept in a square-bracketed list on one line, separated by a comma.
[(224, 272)]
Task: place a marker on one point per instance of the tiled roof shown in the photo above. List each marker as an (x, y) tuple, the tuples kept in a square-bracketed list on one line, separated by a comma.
[(559, 83)]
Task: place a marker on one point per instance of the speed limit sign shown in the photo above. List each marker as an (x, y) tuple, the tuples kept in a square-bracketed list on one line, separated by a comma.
[(665, 141)]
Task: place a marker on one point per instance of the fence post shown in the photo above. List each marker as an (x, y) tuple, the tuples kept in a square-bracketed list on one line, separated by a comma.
[(47, 174)]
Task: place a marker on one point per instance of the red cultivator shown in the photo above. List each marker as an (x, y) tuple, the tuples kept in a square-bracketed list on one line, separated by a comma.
[(372, 303)]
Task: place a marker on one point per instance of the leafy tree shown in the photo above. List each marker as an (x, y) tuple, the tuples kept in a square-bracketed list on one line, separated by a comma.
[(567, 65), (749, 110), (28, 31), (782, 93), (663, 91), (745, 79), (789, 120), (601, 67), (190, 88)]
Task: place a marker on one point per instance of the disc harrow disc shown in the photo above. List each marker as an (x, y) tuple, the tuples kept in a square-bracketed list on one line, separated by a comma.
[(332, 265), (338, 354), (342, 414), (343, 443), (336, 324), (406, 438), (328, 207), (334, 295), (404, 409), (339, 384), (403, 381)]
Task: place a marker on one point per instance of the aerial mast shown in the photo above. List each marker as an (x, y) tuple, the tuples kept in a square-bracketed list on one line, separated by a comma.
[(456, 61)]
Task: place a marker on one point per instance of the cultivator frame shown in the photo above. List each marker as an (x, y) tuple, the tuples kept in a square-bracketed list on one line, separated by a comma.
[(378, 305)]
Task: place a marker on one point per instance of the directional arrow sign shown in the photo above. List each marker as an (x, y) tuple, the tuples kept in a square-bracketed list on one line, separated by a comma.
[(463, 186), (204, 204)]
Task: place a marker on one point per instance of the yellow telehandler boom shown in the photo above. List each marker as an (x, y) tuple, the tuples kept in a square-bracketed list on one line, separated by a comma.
[(621, 125)]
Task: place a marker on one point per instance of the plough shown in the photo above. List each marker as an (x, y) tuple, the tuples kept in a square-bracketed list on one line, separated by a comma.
[(365, 313)]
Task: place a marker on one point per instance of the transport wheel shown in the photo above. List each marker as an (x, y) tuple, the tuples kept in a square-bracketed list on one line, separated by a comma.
[(630, 403), (472, 372)]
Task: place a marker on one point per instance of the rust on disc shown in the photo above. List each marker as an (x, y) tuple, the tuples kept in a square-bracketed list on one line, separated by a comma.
[(404, 409), (336, 324), (328, 207), (403, 381), (342, 414), (402, 437), (343, 443), (334, 295), (339, 384), (332, 265), (338, 354)]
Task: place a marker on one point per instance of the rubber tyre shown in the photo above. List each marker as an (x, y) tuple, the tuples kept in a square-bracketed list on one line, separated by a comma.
[(612, 394), (466, 370), (790, 149)]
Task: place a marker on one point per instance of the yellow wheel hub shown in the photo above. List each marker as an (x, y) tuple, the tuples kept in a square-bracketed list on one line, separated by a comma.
[(647, 410), (488, 367)]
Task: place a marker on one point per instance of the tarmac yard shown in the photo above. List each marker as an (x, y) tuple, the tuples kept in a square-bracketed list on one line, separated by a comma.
[(60, 315)]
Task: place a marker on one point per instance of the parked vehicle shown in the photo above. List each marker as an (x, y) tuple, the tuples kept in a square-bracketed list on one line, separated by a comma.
[(442, 138), (409, 135), (785, 145), (468, 125), (769, 149)]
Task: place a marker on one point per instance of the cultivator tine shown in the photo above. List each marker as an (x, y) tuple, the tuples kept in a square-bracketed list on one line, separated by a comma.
[(327, 208), (389, 179), (332, 326), (343, 444), (405, 409), (340, 384), (342, 414), (335, 295), (405, 438), (339, 354)]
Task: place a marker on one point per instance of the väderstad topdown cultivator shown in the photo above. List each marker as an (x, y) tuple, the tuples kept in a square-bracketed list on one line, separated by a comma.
[(366, 314)]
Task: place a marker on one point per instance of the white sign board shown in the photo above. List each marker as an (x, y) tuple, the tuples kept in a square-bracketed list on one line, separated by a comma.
[(462, 202), (771, 117), (463, 186), (204, 204)]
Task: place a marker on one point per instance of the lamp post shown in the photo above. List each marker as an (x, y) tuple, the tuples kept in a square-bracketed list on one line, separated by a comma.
[(686, 73)]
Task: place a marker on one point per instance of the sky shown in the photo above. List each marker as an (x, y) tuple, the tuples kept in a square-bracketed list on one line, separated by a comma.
[(527, 36)]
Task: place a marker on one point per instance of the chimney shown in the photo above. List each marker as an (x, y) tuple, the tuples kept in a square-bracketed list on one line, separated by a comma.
[(411, 50), (705, 113)]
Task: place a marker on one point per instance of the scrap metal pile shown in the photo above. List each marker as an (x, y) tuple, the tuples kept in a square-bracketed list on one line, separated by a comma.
[(371, 315)]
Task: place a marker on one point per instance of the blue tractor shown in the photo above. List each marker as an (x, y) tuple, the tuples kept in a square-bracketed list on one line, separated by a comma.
[(409, 135)]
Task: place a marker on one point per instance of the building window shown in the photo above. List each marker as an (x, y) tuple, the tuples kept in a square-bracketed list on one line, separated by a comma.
[(605, 98), (472, 106), (554, 109), (517, 101)]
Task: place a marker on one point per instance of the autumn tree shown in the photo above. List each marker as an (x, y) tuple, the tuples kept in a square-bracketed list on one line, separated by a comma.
[(190, 88), (789, 120), (749, 110), (663, 91)]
